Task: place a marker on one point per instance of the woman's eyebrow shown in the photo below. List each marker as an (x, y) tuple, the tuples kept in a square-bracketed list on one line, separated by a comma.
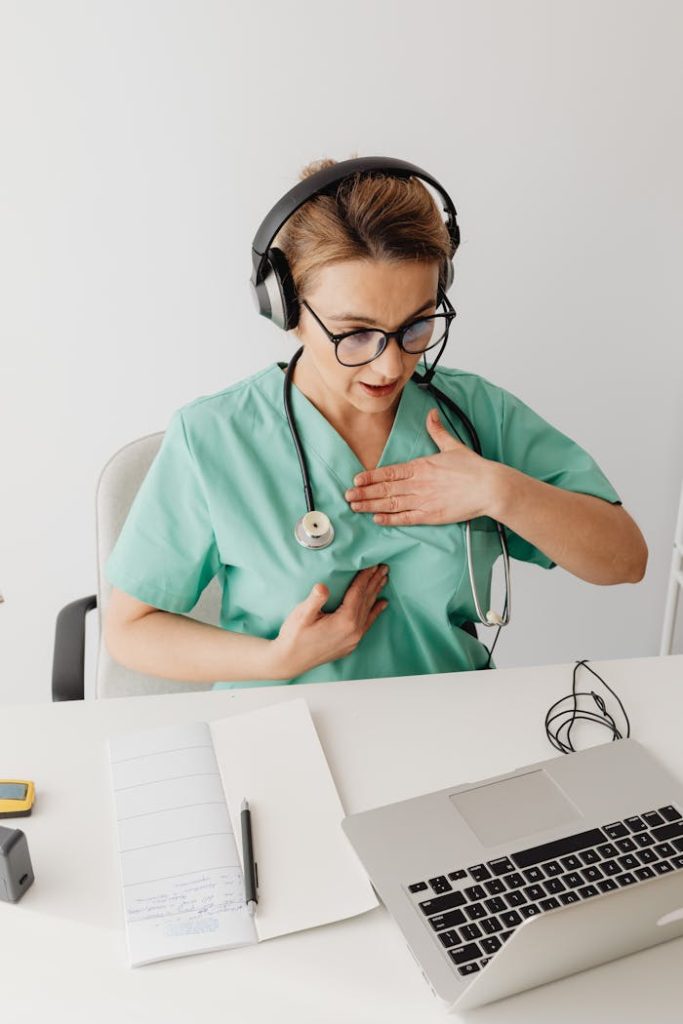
[(344, 317)]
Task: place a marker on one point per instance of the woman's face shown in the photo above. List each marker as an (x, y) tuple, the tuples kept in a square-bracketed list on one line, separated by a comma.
[(364, 294)]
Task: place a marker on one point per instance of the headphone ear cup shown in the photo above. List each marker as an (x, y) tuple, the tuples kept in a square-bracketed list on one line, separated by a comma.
[(276, 294), (450, 274)]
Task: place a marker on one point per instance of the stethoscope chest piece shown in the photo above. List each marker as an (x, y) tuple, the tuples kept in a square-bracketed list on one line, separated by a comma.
[(314, 530)]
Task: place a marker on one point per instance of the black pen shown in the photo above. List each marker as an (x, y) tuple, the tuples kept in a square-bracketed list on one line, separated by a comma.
[(250, 869)]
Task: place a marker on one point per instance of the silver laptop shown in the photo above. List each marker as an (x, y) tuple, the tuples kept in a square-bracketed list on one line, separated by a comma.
[(513, 881)]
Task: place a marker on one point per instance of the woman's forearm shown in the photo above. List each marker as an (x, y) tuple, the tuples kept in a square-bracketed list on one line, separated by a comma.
[(176, 647), (591, 538)]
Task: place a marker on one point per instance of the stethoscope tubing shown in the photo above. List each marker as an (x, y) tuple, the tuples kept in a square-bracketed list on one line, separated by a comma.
[(439, 396)]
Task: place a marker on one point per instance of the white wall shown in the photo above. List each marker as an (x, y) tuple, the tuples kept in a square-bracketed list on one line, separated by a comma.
[(142, 143)]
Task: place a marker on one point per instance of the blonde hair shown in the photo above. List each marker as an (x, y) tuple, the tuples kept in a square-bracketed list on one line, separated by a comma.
[(369, 216)]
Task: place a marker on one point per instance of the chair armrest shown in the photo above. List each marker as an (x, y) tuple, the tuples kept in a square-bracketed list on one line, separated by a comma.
[(68, 666)]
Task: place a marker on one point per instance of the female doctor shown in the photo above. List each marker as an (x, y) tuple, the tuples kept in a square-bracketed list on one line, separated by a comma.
[(395, 477)]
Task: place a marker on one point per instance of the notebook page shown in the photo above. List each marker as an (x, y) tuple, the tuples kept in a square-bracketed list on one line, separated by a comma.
[(308, 873), (183, 886)]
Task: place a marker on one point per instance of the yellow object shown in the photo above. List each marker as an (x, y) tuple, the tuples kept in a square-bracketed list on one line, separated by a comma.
[(16, 797)]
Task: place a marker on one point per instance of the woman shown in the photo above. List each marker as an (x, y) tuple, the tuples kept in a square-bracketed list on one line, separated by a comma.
[(391, 595)]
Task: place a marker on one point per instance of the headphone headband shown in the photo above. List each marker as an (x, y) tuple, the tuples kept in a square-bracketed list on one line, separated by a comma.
[(271, 282)]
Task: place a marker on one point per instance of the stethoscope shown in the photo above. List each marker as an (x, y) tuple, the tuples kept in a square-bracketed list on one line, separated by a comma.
[(314, 529)]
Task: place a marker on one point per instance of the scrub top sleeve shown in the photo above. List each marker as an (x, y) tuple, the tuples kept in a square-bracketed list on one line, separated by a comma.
[(533, 446), (166, 553)]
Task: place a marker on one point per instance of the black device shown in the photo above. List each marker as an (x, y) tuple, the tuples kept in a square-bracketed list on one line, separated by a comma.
[(16, 872)]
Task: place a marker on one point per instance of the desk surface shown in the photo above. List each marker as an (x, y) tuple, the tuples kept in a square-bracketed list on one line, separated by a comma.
[(63, 945)]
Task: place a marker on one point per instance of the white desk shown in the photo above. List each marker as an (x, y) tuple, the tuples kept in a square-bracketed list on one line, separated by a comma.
[(63, 945)]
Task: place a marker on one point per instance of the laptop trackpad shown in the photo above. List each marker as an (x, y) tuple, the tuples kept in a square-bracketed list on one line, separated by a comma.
[(499, 811)]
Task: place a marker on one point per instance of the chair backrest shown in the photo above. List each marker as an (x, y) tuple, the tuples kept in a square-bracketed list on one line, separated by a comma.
[(116, 488)]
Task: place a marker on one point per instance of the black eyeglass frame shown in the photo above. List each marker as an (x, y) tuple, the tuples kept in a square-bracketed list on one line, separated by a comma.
[(449, 313)]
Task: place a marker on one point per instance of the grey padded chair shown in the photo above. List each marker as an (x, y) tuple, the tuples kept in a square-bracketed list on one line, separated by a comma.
[(117, 486)]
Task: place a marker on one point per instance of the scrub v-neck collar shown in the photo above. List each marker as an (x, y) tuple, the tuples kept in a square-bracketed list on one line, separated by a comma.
[(317, 433)]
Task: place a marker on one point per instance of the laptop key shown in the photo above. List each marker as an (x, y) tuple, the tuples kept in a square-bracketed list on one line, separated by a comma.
[(663, 867), (616, 830), (549, 904), (530, 910), (491, 945), (678, 843), (592, 873), (449, 920), (589, 856), (643, 839), (677, 861), (665, 849), (636, 823), (643, 873), (501, 865), (441, 903), (555, 849), (475, 892), (483, 963), (469, 932), (571, 863), (495, 905), (495, 886), (535, 892), (610, 867), (569, 897), (674, 828), (670, 813), (515, 898), (510, 918), (479, 872), (607, 850), (587, 891), (474, 911), (653, 819), (450, 938), (626, 879), (574, 879), (555, 885), (626, 845), (533, 874), (440, 884), (628, 862), (471, 968), (464, 953), (417, 887), (514, 881), (457, 875), (504, 936), (647, 856), (608, 884), (552, 868), (491, 924)]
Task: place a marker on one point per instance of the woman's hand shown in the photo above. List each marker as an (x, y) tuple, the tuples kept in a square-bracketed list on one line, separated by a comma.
[(451, 486), (310, 637)]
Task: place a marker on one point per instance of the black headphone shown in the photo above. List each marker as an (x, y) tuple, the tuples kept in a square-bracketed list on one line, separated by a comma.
[(272, 286)]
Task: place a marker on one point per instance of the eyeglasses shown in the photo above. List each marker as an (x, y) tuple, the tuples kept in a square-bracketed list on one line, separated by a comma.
[(354, 348)]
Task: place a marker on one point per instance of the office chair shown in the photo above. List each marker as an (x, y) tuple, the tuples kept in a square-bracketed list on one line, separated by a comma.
[(117, 486), (675, 585)]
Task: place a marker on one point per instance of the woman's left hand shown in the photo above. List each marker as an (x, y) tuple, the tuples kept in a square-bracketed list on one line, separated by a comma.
[(450, 486)]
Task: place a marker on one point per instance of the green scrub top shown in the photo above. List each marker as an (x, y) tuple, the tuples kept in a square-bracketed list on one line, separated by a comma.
[(224, 493)]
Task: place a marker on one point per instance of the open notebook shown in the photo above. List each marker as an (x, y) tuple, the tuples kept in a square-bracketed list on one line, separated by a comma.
[(177, 794)]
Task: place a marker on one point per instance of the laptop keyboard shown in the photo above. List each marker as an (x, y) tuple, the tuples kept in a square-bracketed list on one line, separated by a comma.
[(473, 911)]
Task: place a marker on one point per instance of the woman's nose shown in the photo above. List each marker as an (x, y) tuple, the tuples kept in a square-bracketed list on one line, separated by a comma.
[(389, 365)]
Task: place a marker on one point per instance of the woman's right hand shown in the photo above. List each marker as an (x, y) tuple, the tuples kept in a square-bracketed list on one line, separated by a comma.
[(310, 636)]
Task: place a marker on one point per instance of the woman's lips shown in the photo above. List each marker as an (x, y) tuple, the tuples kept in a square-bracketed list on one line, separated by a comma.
[(378, 392)]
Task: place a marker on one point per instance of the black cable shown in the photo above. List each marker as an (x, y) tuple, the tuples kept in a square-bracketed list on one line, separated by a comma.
[(571, 716)]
